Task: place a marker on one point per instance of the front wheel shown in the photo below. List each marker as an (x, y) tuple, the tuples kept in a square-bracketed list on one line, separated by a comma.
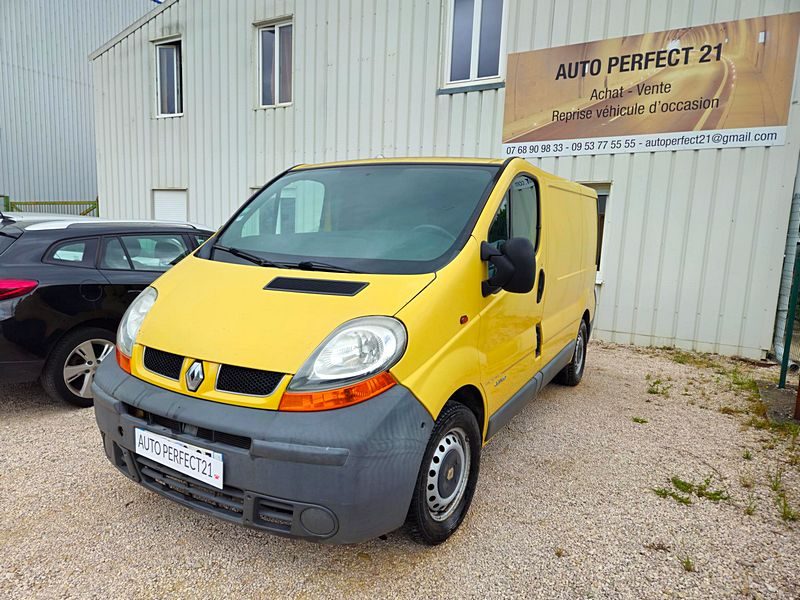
[(70, 368), (447, 477), (573, 372)]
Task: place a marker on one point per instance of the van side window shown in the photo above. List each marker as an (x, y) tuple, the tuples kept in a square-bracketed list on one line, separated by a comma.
[(499, 230), (524, 209)]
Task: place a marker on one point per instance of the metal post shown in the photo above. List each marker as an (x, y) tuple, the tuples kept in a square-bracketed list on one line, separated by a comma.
[(791, 310)]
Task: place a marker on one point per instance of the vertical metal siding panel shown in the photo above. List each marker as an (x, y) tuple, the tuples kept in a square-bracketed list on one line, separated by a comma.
[(47, 122)]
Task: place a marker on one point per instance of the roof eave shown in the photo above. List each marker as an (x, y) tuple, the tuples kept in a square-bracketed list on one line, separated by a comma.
[(131, 28)]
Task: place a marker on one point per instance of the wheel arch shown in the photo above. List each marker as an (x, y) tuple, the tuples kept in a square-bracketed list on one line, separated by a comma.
[(471, 397)]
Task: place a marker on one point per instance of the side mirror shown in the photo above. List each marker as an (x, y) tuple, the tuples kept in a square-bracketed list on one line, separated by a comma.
[(515, 267)]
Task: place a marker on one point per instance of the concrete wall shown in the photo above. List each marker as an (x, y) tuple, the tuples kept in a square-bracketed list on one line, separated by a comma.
[(46, 118), (693, 242)]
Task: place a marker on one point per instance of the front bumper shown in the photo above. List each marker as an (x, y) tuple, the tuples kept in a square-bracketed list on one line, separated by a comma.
[(338, 476)]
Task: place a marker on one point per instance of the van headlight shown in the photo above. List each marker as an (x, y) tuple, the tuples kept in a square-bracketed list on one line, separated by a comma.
[(349, 366), (133, 318)]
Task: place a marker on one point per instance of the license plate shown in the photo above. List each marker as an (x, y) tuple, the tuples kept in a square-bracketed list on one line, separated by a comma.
[(198, 463)]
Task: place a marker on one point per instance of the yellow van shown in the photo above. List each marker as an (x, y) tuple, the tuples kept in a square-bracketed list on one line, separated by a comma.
[(330, 363)]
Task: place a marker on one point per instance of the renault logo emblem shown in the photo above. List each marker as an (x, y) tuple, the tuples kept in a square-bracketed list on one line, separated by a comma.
[(194, 376)]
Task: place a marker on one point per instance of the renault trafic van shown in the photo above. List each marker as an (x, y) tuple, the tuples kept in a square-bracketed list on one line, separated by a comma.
[(330, 363)]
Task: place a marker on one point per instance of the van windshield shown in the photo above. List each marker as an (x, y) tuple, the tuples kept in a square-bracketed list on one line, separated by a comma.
[(385, 218)]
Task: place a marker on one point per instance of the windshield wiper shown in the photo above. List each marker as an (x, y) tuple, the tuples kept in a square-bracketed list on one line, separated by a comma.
[(315, 265), (261, 262)]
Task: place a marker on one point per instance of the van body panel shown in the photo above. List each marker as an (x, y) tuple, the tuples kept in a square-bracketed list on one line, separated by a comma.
[(233, 320), (438, 342)]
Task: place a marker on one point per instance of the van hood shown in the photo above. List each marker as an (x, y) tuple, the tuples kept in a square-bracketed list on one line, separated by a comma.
[(220, 312)]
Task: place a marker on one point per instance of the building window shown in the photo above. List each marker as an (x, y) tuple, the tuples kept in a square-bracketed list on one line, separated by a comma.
[(475, 41), (275, 57), (169, 93), (603, 190)]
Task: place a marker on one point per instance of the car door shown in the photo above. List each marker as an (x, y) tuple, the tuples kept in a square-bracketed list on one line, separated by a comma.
[(132, 261), (510, 333)]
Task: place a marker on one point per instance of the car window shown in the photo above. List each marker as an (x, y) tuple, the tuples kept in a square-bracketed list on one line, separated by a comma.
[(154, 252), (200, 238), (524, 209), (78, 253), (499, 229), (112, 256)]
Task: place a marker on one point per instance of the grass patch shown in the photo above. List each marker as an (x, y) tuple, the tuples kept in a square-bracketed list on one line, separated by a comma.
[(732, 410), (776, 480), (658, 386), (787, 512), (688, 564), (663, 492), (639, 420), (560, 552), (747, 455), (695, 359), (682, 490), (746, 482), (750, 509)]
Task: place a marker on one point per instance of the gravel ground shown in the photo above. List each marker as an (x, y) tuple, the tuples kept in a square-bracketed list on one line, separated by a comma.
[(564, 507)]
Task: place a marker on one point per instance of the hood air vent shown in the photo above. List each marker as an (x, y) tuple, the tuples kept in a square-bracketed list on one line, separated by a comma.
[(316, 286)]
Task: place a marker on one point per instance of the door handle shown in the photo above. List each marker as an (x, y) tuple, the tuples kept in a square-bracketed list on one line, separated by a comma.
[(540, 287)]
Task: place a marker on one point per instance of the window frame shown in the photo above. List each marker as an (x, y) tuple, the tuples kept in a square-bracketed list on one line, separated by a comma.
[(277, 25), (90, 257), (507, 198), (178, 84), (473, 79)]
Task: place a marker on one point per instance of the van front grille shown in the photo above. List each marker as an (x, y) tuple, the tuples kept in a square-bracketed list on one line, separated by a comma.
[(163, 363), (252, 382)]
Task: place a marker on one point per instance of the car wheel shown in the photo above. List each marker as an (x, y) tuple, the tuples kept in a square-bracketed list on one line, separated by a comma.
[(447, 477), (70, 368), (573, 372)]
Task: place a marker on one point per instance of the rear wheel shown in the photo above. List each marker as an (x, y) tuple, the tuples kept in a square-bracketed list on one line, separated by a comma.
[(70, 368), (573, 372), (447, 478)]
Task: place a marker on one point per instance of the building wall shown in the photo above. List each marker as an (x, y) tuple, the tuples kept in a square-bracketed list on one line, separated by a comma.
[(46, 118), (693, 242)]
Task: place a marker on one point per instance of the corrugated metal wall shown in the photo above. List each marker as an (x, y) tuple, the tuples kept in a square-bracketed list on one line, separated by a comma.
[(46, 118), (693, 240)]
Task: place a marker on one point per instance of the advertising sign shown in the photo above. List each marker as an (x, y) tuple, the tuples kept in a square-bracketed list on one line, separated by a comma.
[(712, 86)]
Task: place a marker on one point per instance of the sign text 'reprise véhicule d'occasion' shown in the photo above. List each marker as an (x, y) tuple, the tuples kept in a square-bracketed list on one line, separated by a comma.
[(711, 86)]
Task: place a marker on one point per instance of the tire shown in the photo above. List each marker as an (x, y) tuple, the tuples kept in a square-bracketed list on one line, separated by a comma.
[(573, 372), (76, 357), (453, 451)]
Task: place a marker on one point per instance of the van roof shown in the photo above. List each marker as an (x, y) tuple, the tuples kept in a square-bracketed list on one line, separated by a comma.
[(439, 160)]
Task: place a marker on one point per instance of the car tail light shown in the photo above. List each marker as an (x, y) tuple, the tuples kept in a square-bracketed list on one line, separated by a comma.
[(11, 288)]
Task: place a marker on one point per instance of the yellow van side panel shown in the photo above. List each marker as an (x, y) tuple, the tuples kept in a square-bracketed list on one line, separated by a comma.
[(443, 354), (569, 219)]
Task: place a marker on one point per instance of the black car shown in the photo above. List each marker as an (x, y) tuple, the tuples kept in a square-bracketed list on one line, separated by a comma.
[(64, 286)]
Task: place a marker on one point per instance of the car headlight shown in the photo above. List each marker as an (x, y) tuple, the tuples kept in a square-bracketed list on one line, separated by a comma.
[(133, 318), (354, 352)]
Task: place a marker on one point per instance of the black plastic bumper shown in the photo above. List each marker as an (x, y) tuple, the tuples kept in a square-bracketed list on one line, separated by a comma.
[(338, 476)]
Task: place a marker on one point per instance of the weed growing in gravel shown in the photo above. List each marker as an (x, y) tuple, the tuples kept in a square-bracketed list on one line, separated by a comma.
[(732, 410), (682, 491), (560, 552), (746, 481), (747, 455), (688, 564), (663, 492), (776, 480), (701, 361), (639, 420), (750, 509), (658, 386), (787, 512)]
